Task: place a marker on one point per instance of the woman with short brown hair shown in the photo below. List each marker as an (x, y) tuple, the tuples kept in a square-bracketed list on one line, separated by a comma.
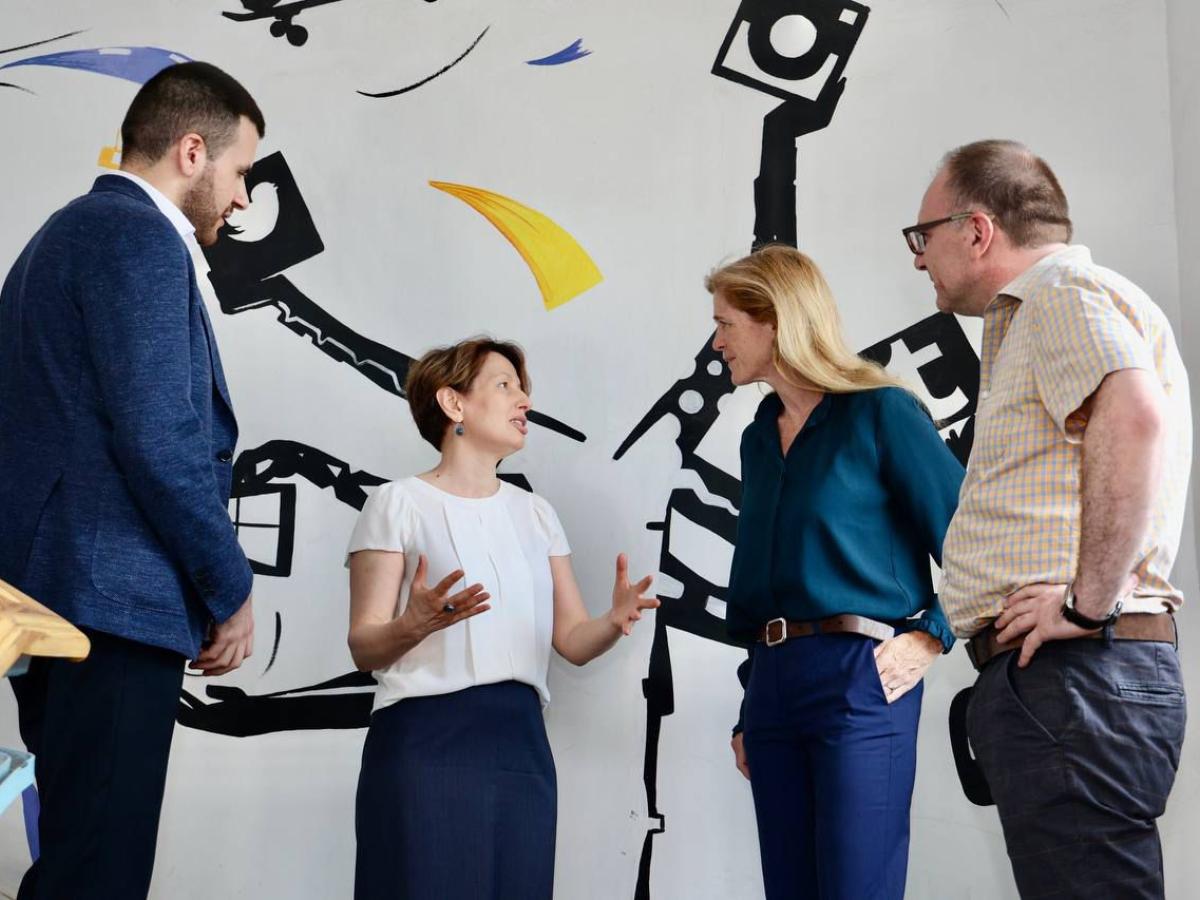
[(457, 795)]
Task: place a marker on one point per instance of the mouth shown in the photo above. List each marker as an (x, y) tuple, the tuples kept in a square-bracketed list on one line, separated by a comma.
[(520, 424)]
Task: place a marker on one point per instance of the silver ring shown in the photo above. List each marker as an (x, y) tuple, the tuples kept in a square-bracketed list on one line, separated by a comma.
[(448, 608)]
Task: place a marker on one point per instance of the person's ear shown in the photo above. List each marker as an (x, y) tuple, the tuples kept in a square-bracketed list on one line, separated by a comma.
[(451, 404), (191, 155), (983, 233)]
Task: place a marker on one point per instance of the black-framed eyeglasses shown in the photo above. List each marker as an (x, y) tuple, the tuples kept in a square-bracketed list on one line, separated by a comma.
[(915, 234)]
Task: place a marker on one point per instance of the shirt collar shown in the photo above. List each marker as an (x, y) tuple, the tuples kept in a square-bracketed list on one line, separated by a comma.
[(1029, 281), (765, 419), (165, 206)]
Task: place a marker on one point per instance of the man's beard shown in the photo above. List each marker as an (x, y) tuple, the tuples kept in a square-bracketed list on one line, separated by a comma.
[(199, 205)]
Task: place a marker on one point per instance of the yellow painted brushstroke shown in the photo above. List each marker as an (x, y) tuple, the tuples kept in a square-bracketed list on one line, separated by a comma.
[(562, 268), (110, 156)]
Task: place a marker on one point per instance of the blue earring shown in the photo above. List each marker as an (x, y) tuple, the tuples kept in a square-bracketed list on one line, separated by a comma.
[(458, 429)]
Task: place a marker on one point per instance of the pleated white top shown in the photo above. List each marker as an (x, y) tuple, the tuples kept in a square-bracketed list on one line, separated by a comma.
[(503, 542)]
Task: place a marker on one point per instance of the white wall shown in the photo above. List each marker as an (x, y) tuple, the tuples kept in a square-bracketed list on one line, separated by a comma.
[(1183, 34), (648, 160)]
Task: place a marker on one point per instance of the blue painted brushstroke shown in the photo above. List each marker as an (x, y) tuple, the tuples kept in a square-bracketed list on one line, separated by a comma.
[(136, 64), (566, 55)]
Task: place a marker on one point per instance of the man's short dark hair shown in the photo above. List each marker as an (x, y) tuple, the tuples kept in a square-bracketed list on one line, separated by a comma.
[(182, 99), (1007, 180)]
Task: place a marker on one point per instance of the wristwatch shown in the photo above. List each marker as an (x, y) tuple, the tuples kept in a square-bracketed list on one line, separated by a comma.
[(1075, 617)]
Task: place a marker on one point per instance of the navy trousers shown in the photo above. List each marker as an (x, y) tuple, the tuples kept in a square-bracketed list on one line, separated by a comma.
[(832, 766), (101, 734), (457, 799), (1080, 751)]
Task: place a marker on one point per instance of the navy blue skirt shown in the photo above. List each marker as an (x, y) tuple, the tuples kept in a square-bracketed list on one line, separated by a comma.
[(457, 798)]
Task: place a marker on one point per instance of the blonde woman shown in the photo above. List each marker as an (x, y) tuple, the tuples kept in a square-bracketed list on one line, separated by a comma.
[(847, 491), (457, 796)]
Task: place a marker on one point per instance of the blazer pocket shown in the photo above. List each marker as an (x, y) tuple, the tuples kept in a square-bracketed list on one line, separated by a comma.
[(23, 530), (130, 564)]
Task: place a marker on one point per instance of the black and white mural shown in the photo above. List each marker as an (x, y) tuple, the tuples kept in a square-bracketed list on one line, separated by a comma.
[(561, 174)]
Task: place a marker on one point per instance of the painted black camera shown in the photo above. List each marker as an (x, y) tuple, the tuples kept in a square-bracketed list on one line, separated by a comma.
[(793, 49)]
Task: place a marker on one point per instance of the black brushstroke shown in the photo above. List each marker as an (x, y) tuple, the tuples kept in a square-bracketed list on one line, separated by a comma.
[(956, 368), (9, 84), (284, 16), (258, 472), (283, 526), (442, 71), (60, 37), (237, 265), (275, 645), (709, 379), (798, 115), (238, 714)]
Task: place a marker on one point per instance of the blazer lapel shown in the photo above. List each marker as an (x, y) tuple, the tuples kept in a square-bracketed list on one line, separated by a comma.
[(213, 355)]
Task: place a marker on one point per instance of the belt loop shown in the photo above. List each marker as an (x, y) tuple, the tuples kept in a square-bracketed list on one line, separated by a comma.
[(1107, 635), (1175, 627), (970, 645)]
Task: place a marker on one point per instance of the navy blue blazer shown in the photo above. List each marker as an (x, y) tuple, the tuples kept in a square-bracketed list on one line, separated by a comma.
[(116, 431)]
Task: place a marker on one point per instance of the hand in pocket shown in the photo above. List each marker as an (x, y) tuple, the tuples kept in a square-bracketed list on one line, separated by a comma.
[(903, 660)]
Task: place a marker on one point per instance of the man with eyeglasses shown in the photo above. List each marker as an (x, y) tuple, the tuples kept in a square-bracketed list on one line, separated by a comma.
[(1057, 563)]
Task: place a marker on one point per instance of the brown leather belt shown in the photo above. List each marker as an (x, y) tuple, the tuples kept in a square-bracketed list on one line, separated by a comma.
[(1158, 627), (779, 630)]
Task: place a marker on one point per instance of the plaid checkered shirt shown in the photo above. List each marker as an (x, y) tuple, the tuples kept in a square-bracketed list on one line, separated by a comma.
[(1049, 338)]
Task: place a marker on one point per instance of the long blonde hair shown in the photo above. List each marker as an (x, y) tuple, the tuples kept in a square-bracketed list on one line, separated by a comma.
[(780, 285)]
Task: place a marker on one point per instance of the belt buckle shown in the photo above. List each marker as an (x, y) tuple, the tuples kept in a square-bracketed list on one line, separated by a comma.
[(782, 632)]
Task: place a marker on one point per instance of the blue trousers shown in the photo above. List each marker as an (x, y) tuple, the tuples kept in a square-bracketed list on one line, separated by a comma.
[(457, 799), (101, 731), (832, 766), (1080, 751)]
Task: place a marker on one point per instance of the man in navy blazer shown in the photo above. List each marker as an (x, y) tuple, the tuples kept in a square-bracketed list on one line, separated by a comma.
[(116, 443)]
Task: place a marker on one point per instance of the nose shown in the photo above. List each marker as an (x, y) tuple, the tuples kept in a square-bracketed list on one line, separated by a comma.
[(241, 199), (919, 262), (718, 342), (524, 404)]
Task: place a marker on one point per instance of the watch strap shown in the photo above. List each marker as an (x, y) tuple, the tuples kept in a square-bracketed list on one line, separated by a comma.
[(1075, 617)]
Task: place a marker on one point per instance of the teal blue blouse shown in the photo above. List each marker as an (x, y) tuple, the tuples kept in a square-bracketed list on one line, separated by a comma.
[(848, 520)]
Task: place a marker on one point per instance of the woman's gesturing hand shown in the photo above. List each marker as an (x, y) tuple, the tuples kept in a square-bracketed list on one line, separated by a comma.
[(628, 601), (431, 609)]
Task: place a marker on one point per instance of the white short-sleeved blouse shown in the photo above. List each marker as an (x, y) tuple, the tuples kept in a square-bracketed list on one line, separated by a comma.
[(503, 542)]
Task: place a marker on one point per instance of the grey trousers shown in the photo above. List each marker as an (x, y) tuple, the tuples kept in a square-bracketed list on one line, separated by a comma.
[(1080, 750)]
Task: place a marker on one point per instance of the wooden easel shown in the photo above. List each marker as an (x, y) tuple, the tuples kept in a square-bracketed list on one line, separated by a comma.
[(29, 629)]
